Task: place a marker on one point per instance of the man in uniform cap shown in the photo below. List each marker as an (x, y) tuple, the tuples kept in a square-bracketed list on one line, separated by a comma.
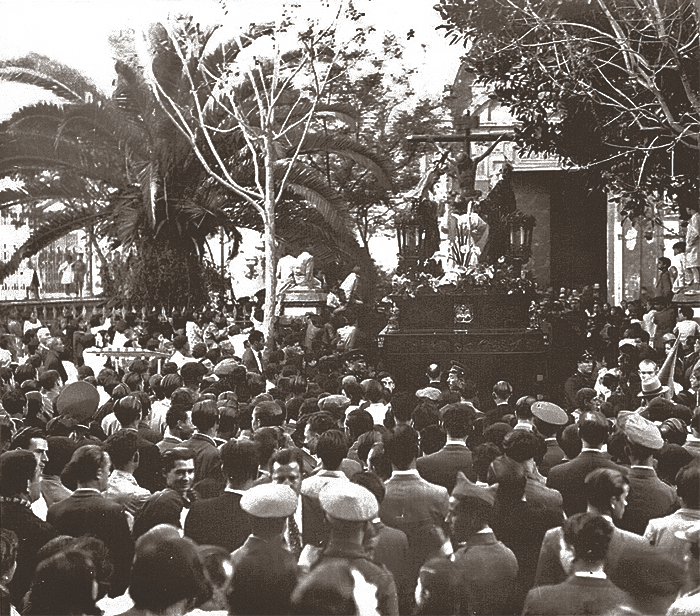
[(649, 496), (488, 569), (549, 419), (350, 508), (264, 572), (581, 378)]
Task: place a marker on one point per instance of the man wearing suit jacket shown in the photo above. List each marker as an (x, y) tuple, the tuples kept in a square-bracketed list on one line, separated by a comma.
[(413, 505), (207, 459), (252, 357), (549, 418), (649, 496), (441, 467), (569, 477), (221, 521), (88, 512), (606, 492), (502, 391), (588, 590), (20, 485)]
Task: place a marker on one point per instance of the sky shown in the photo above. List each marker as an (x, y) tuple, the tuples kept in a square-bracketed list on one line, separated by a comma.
[(76, 32)]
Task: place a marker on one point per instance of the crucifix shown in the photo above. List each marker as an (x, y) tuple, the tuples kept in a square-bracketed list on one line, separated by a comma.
[(459, 219)]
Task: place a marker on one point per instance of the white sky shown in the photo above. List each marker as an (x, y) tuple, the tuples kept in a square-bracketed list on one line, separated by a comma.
[(76, 32)]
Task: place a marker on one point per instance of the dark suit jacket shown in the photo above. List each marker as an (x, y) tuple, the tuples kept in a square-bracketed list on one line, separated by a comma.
[(218, 521), (568, 478), (553, 457), (441, 467), (391, 550), (621, 549), (32, 534), (149, 474), (576, 595), (207, 458), (495, 414), (87, 512), (649, 498), (248, 360), (163, 507), (488, 570), (418, 508), (52, 362)]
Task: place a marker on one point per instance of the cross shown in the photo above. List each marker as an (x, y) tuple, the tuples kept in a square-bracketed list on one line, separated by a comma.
[(466, 166)]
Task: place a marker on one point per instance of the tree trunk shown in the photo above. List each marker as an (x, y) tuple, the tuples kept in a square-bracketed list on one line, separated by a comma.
[(270, 240)]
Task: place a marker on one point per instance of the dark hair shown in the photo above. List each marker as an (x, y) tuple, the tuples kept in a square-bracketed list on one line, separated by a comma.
[(256, 336), (127, 410), (402, 405), (332, 449), (16, 469), (686, 311), (469, 516), (171, 456), (256, 383), (205, 415), (372, 390), (425, 414), (521, 445), (61, 449), (239, 460), (354, 391), (267, 441), (169, 383), (496, 432), (483, 455), (401, 446), (458, 419), (63, 584), (121, 447), (287, 456), (192, 373), (166, 571), (179, 342), (441, 578), (358, 422), (23, 439), (593, 428), (589, 535), (321, 422), (523, 407), (49, 379), (132, 380), (25, 372), (326, 591), (175, 414), (14, 402), (688, 485), (371, 481), (601, 485), (665, 261), (432, 439), (569, 441), (84, 465)]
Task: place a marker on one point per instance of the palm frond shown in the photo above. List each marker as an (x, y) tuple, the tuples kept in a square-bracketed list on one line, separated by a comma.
[(33, 78), (348, 148)]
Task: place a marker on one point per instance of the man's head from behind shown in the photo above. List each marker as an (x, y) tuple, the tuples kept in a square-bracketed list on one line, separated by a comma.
[(457, 419), (18, 474), (122, 448), (606, 492), (402, 447), (593, 429), (239, 460)]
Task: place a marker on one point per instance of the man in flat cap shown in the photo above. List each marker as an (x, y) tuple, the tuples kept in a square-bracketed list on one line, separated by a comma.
[(649, 496), (549, 419), (583, 377), (350, 508), (569, 477), (488, 569), (264, 572), (441, 467)]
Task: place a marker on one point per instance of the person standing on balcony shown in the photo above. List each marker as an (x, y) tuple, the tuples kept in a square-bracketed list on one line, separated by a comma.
[(66, 273), (79, 269)]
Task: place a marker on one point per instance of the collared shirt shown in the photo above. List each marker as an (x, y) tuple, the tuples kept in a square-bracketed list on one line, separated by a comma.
[(524, 426), (455, 441), (123, 489), (411, 472), (234, 491)]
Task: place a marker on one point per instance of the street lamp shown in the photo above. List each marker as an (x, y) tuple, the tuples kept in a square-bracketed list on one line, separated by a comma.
[(410, 233)]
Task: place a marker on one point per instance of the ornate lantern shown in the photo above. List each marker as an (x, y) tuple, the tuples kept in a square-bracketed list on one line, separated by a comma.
[(520, 227), (410, 233)]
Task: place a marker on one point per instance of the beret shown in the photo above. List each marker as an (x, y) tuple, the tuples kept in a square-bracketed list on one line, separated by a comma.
[(78, 400), (431, 393), (269, 500), (225, 367), (466, 489), (639, 430), (333, 403), (348, 501), (550, 413)]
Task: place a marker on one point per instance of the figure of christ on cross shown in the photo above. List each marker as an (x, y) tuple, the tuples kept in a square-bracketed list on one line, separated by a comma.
[(464, 234)]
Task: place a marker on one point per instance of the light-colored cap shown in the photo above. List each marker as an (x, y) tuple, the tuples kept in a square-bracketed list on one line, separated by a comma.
[(270, 500), (348, 501)]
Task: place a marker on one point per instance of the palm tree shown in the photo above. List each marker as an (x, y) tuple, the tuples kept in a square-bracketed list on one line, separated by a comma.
[(119, 165)]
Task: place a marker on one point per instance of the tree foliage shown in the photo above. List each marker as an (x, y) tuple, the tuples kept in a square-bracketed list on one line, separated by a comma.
[(610, 85)]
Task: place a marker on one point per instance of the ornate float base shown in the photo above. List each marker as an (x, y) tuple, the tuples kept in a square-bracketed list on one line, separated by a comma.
[(298, 302)]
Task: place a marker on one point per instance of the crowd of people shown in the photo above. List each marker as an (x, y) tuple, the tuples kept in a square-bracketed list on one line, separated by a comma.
[(232, 474)]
